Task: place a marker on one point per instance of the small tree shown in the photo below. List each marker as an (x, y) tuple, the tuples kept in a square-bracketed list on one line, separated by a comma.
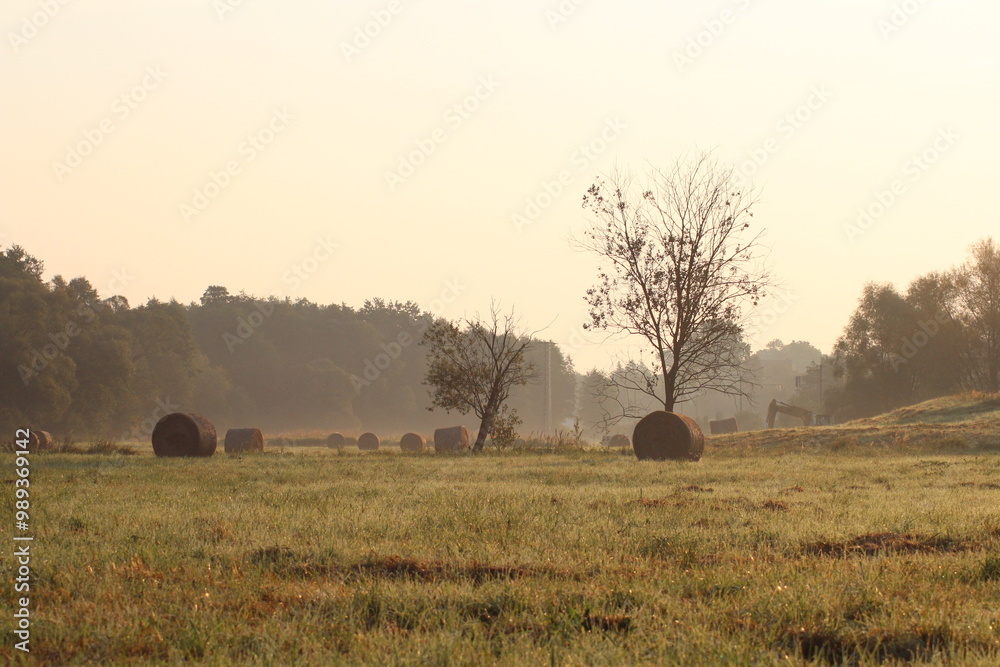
[(472, 369), (681, 270), (868, 355), (503, 430)]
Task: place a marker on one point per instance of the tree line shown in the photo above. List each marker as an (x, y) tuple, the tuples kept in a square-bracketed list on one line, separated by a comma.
[(681, 271), (941, 336), (81, 364)]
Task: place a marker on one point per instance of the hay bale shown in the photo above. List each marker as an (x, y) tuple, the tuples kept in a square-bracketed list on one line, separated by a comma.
[(412, 442), (451, 439), (244, 440), (368, 442), (336, 441), (39, 440), (663, 436), (184, 434), (724, 426), (619, 440)]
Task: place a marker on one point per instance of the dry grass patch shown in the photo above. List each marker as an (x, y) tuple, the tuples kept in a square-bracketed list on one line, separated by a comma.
[(847, 647), (874, 544), (396, 567), (290, 563)]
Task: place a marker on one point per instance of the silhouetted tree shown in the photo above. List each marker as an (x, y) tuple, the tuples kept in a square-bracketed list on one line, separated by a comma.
[(37, 377), (978, 291), (939, 351), (681, 270), (870, 353), (472, 368)]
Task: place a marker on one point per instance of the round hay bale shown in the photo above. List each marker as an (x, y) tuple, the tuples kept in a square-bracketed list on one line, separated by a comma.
[(336, 441), (667, 436), (39, 440), (619, 440), (244, 440), (724, 426), (368, 442), (184, 434), (451, 439), (412, 442)]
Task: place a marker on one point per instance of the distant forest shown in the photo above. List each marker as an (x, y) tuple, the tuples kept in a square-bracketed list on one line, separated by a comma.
[(79, 364), (82, 365)]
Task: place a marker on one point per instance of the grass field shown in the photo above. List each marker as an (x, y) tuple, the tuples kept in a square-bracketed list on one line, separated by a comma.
[(820, 548)]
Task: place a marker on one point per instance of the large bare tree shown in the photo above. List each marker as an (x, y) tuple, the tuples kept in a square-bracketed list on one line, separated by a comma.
[(681, 268), (472, 366)]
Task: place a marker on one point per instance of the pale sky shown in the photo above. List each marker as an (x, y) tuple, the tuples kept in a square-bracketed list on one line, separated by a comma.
[(115, 114)]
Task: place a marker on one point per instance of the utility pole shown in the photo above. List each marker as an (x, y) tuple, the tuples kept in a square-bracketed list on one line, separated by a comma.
[(548, 387), (821, 383)]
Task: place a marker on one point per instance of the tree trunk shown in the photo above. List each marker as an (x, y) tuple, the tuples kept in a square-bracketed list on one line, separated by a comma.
[(487, 424), (669, 385), (484, 431)]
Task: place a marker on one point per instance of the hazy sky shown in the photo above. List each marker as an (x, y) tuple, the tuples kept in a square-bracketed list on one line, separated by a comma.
[(158, 147)]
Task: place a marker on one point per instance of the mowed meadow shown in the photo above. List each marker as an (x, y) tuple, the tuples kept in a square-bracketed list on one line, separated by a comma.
[(820, 548)]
